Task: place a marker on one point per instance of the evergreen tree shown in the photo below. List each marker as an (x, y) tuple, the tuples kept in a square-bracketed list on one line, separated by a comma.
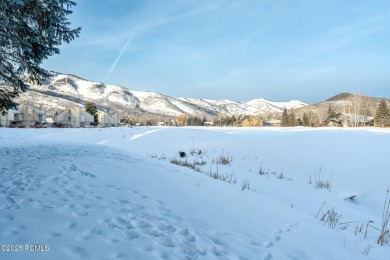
[(203, 120), (92, 110), (233, 120), (198, 121), (195, 121), (30, 32), (305, 120), (382, 116), (285, 121), (292, 121)]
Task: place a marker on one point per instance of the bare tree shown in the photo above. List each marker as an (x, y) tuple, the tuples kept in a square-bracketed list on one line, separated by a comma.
[(322, 113), (360, 106)]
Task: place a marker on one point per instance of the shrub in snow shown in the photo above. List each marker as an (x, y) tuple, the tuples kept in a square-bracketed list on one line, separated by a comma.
[(262, 171), (330, 217), (194, 151), (385, 230), (186, 164), (229, 178), (245, 185), (224, 159), (321, 183)]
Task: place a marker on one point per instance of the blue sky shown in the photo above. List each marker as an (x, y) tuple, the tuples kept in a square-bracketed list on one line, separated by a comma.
[(240, 50)]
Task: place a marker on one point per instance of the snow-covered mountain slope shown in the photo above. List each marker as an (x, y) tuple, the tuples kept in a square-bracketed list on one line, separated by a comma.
[(95, 194), (227, 107), (74, 89), (270, 106)]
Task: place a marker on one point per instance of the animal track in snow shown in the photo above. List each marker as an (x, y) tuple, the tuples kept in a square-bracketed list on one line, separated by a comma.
[(278, 233), (268, 244), (277, 237)]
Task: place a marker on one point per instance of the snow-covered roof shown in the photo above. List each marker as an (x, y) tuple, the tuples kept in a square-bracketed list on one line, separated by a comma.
[(276, 121), (351, 117), (14, 111), (34, 109), (358, 118)]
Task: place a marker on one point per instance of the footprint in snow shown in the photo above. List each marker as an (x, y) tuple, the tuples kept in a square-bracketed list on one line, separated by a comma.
[(278, 234), (89, 234), (129, 235), (140, 224), (166, 241), (69, 225), (277, 237), (79, 213), (268, 244), (267, 256), (78, 252)]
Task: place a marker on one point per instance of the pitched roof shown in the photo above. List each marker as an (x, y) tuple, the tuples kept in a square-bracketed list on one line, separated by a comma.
[(351, 117)]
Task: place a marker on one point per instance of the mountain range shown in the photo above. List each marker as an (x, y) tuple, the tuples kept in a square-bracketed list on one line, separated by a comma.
[(61, 90)]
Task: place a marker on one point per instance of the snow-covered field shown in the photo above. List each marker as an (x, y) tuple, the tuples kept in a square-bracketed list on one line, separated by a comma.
[(113, 193)]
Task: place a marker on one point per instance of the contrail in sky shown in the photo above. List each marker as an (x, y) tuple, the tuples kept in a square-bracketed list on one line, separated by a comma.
[(118, 58)]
